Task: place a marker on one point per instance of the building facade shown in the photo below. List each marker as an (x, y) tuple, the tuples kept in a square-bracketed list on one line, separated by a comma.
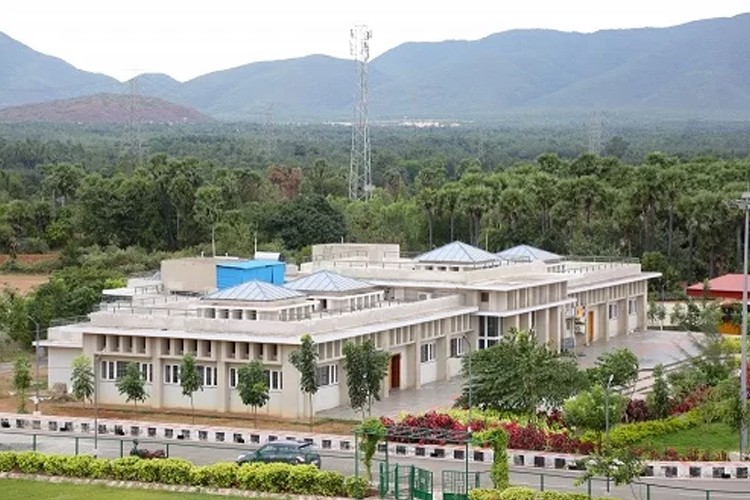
[(427, 312)]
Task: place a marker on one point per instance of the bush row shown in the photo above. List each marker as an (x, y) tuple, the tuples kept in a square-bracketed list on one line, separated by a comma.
[(273, 478), (628, 434), (524, 493)]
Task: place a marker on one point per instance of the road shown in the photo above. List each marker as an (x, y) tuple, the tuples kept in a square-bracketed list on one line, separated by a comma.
[(342, 461)]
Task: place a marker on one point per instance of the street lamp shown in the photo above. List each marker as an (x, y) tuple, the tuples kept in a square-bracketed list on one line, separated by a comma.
[(96, 406), (744, 204), (36, 355), (606, 418)]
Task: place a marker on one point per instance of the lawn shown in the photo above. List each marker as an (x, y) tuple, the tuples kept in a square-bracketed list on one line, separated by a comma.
[(714, 437), (22, 489)]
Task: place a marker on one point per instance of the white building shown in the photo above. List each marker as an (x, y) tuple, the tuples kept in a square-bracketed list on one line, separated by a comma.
[(427, 312)]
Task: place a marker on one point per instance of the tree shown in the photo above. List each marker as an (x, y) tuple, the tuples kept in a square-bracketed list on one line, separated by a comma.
[(305, 360), (658, 399), (588, 410), (82, 379), (253, 386), (656, 313), (190, 379), (22, 380), (518, 374), (208, 209), (620, 364), (365, 368), (305, 221), (132, 385)]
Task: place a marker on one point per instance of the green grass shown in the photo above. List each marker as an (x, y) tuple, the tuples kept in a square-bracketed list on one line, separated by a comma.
[(714, 437), (22, 489)]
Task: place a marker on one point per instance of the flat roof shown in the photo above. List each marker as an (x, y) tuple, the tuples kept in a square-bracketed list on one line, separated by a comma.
[(250, 264)]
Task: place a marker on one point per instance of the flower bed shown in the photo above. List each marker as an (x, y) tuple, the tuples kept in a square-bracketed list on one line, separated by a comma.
[(443, 428), (673, 455)]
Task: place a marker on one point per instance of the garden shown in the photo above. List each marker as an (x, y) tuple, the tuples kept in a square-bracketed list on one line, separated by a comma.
[(691, 413)]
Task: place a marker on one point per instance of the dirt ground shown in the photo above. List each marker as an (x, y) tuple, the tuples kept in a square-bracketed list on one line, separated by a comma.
[(9, 403), (23, 283), (30, 258)]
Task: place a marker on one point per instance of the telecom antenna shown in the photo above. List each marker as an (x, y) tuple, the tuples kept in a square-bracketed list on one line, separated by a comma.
[(596, 133), (360, 168), (135, 140), (268, 129)]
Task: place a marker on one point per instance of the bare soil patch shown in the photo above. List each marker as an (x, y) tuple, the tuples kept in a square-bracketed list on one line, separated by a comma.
[(22, 283)]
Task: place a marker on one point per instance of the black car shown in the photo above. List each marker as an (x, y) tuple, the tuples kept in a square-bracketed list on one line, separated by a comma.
[(289, 452)]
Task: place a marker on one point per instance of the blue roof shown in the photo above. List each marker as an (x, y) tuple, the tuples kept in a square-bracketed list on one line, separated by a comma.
[(250, 264)]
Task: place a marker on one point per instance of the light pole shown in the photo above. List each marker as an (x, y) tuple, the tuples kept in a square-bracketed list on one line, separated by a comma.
[(36, 369), (96, 406), (606, 418), (744, 204)]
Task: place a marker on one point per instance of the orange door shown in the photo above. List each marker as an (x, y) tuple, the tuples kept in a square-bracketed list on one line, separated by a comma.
[(395, 371), (590, 327)]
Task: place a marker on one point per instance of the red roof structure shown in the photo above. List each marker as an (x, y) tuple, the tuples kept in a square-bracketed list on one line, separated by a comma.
[(728, 286)]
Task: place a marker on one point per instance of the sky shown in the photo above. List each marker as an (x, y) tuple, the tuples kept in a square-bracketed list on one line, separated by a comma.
[(188, 38)]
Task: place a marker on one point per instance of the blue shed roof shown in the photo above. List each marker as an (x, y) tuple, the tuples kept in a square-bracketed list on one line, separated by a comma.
[(250, 264)]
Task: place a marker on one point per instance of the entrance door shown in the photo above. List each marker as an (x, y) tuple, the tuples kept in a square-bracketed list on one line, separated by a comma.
[(590, 327), (395, 371)]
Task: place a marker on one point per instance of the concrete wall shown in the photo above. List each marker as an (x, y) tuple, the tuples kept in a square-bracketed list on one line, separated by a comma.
[(60, 365), (192, 274)]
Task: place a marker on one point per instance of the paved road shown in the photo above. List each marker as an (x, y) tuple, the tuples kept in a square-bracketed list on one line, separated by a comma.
[(344, 462)]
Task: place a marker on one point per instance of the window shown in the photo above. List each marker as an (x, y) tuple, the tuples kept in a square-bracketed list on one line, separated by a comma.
[(108, 370), (328, 375), (484, 297), (613, 311), (489, 331), (274, 380), (458, 347), (147, 372), (632, 307), (171, 374), (427, 352), (207, 375), (233, 378)]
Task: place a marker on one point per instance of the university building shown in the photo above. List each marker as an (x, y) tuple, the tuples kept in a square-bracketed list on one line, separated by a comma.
[(427, 312)]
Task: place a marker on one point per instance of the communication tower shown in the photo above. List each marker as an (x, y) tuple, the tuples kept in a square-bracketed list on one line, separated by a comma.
[(360, 168)]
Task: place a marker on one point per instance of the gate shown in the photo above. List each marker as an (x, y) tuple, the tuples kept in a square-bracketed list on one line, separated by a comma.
[(404, 482), (456, 484)]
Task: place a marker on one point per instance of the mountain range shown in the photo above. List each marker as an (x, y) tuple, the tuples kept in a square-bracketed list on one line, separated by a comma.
[(695, 69)]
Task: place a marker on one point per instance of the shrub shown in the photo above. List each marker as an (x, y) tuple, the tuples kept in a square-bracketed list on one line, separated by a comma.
[(355, 487), (149, 471), (302, 479), (101, 468), (172, 470), (517, 493), (484, 494), (329, 483), (30, 462), (637, 411), (55, 465), (78, 466), (7, 461), (221, 475), (625, 435), (249, 477), (126, 468), (558, 495)]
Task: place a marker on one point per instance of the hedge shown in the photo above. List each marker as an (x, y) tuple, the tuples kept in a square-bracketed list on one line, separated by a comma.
[(524, 493), (628, 434), (272, 478)]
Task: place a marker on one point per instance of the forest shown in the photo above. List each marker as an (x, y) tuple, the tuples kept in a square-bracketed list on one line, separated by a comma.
[(92, 192)]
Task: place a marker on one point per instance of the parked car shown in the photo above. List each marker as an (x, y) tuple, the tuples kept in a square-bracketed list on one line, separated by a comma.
[(289, 452)]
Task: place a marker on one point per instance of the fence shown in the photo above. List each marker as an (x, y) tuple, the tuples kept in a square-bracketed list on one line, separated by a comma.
[(640, 490), (200, 453)]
